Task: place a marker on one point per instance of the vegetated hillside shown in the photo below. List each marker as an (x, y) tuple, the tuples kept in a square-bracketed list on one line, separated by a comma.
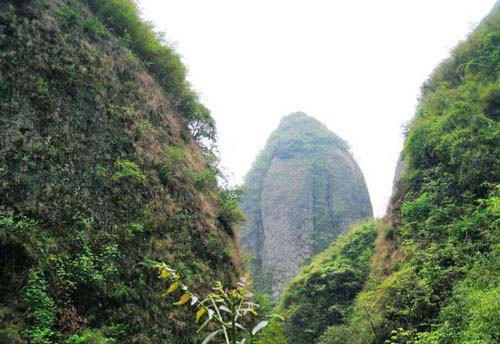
[(435, 274), (100, 172), (303, 190), (323, 291)]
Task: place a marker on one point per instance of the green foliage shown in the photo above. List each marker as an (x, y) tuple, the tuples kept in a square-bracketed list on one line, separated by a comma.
[(175, 155), (94, 27), (445, 215), (402, 336), (227, 309), (337, 334), (11, 326), (273, 333), (322, 293), (99, 171), (128, 170), (204, 180), (42, 308), (122, 17), (472, 313), (89, 337), (230, 213)]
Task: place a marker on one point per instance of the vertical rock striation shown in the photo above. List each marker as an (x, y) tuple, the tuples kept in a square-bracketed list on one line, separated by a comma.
[(303, 190)]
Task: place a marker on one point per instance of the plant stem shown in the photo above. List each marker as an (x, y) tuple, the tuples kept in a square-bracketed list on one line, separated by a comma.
[(221, 319), (233, 319)]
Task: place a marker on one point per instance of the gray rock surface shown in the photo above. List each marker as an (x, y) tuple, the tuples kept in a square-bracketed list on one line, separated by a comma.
[(302, 192)]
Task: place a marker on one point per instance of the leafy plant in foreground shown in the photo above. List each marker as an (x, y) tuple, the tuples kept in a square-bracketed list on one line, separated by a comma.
[(226, 308)]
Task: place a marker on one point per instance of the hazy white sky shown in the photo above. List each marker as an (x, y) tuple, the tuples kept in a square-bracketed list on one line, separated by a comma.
[(356, 66)]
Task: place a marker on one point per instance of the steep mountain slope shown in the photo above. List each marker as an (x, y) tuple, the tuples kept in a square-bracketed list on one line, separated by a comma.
[(435, 273), (323, 291), (100, 172), (303, 190)]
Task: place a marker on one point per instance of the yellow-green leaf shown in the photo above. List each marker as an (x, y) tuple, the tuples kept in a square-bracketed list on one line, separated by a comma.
[(200, 313), (173, 287), (164, 273), (184, 298)]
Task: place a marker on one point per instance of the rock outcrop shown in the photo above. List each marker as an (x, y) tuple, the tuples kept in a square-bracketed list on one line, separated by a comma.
[(303, 190)]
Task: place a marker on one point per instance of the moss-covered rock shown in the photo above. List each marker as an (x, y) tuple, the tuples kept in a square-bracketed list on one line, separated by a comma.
[(100, 172)]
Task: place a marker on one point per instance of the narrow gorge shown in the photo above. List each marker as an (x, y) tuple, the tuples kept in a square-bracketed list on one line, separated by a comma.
[(119, 225)]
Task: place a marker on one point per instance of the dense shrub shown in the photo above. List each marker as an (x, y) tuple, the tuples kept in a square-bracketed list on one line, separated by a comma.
[(322, 293), (445, 218)]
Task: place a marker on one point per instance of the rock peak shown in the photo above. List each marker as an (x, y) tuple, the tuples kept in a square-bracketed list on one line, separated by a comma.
[(303, 191)]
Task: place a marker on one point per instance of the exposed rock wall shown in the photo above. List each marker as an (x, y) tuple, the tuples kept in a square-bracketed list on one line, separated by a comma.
[(99, 175), (302, 192)]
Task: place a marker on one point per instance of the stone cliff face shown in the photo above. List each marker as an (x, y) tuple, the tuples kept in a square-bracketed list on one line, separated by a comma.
[(302, 192), (99, 175)]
